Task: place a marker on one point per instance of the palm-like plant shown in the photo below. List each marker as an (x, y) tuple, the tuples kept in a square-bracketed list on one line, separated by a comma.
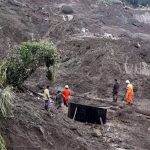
[(6, 97), (3, 70), (2, 144)]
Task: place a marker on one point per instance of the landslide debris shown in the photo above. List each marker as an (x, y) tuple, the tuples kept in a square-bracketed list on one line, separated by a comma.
[(96, 45)]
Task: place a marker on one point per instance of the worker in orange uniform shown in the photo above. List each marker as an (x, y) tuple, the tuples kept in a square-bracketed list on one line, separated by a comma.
[(66, 94), (129, 93)]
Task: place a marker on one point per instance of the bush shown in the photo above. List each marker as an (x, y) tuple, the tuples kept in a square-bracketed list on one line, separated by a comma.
[(27, 57), (6, 97), (2, 144)]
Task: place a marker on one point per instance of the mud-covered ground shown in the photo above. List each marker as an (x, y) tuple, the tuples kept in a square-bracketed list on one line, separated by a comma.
[(34, 128), (99, 44)]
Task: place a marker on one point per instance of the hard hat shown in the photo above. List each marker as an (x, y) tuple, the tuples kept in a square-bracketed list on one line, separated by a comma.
[(66, 86), (127, 81)]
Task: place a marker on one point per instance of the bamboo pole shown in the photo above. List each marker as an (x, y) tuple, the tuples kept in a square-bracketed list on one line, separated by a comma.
[(75, 113)]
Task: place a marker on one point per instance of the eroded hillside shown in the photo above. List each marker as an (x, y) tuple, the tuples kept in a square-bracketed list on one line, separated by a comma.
[(99, 42)]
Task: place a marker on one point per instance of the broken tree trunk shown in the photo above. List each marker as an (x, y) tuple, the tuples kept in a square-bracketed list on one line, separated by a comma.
[(131, 110), (143, 112)]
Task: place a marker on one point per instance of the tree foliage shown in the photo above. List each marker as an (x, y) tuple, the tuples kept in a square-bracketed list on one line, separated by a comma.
[(25, 60)]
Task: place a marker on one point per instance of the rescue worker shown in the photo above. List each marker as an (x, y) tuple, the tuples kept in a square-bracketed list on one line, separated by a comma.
[(129, 93), (59, 99), (66, 94), (46, 98), (115, 90)]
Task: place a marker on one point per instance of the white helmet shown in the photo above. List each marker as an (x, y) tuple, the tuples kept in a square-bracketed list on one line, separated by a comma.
[(127, 81), (66, 86)]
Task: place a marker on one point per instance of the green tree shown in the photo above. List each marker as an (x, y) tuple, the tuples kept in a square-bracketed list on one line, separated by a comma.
[(25, 60)]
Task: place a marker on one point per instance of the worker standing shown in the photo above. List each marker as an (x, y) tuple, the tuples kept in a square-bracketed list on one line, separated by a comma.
[(66, 94), (129, 93), (59, 99), (46, 98), (115, 91)]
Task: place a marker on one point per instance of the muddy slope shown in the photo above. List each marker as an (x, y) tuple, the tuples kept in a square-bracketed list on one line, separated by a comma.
[(96, 46), (34, 128)]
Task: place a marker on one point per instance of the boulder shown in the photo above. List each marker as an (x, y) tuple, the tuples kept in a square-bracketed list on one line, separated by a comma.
[(67, 9)]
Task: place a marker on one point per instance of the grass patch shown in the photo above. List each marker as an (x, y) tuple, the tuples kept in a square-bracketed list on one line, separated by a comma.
[(6, 98), (2, 144)]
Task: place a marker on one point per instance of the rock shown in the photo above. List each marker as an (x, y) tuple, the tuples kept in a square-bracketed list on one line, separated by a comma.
[(136, 23), (137, 45), (127, 8), (84, 30), (68, 17), (110, 36), (67, 9), (96, 133)]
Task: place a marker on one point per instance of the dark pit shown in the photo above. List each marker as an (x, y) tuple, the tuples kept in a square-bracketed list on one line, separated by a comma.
[(87, 113)]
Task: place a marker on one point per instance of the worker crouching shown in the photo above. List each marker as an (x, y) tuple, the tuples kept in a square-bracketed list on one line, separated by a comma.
[(129, 93)]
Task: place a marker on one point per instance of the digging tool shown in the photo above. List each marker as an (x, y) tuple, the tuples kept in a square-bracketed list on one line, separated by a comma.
[(102, 124), (75, 113), (101, 121)]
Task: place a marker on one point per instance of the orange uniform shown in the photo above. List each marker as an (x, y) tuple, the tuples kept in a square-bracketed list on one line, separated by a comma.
[(129, 94), (66, 94)]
